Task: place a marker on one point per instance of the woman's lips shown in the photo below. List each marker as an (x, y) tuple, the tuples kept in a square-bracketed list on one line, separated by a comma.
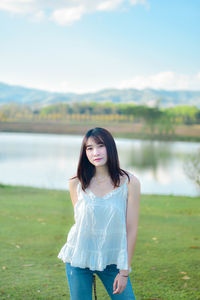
[(97, 159)]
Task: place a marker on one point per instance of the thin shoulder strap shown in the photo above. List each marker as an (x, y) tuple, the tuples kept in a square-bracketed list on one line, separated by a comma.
[(78, 188), (130, 174), (127, 180)]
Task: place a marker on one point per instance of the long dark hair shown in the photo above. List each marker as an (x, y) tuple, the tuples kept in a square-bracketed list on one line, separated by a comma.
[(86, 170)]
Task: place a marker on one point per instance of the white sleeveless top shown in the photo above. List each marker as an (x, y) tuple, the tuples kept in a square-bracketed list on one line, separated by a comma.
[(98, 238)]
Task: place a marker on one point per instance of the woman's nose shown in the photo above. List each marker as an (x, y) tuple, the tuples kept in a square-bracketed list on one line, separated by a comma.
[(96, 151)]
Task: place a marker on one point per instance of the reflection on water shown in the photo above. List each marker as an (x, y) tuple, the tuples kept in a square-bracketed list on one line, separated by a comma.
[(48, 160), (150, 156)]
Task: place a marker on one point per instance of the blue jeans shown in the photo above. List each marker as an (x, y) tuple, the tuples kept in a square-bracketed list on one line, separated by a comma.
[(80, 283)]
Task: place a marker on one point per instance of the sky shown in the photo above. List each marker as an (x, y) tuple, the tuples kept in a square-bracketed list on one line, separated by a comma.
[(88, 45)]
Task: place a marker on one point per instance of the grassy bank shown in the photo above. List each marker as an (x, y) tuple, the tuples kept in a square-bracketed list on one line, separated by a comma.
[(118, 129), (34, 226)]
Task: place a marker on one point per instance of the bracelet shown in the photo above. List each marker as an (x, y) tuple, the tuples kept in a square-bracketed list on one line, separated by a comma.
[(123, 275)]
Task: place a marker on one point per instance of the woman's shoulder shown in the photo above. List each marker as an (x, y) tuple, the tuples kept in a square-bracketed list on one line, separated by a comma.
[(133, 180), (73, 182)]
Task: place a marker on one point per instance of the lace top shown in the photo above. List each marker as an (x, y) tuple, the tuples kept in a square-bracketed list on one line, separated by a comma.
[(98, 237)]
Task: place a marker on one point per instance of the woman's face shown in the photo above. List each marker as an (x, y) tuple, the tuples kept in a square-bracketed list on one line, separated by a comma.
[(96, 153)]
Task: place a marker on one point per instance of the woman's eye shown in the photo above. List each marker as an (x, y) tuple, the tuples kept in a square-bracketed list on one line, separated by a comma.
[(89, 149), (101, 145)]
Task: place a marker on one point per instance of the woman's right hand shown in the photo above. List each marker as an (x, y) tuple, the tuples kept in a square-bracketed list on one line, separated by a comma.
[(119, 284)]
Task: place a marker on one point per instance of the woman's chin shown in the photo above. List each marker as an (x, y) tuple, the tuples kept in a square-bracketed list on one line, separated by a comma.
[(99, 163)]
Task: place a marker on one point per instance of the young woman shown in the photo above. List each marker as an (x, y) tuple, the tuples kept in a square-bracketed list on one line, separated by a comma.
[(106, 210)]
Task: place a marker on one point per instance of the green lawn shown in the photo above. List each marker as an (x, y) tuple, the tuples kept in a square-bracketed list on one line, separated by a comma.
[(34, 226)]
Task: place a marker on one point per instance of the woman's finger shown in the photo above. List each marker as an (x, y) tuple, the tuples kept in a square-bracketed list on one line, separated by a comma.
[(115, 283), (117, 287), (117, 291), (121, 285)]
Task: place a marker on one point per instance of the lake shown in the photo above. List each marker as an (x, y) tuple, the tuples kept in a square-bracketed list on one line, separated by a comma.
[(48, 160)]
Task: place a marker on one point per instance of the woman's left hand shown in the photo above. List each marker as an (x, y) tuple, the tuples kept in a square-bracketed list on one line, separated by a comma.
[(119, 284)]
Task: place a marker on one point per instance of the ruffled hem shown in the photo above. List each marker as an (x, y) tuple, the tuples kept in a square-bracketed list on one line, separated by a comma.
[(95, 261)]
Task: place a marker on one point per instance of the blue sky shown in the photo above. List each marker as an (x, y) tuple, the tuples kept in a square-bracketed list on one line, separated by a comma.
[(88, 45)]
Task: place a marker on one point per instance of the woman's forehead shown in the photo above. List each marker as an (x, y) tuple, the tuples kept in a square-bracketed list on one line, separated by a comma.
[(93, 141)]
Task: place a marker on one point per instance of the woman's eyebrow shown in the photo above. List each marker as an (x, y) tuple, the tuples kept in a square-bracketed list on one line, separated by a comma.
[(100, 143)]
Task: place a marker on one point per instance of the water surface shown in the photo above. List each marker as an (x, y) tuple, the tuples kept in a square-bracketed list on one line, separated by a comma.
[(48, 160)]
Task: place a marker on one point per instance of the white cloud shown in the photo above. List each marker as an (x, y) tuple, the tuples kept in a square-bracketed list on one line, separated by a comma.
[(16, 6), (63, 12), (109, 5), (67, 16), (38, 16), (164, 80), (142, 2), (68, 87)]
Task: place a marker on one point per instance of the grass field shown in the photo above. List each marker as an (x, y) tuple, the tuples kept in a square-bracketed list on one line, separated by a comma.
[(34, 226)]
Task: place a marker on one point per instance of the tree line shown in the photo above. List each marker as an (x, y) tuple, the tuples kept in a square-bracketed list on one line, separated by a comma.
[(128, 112), (178, 114)]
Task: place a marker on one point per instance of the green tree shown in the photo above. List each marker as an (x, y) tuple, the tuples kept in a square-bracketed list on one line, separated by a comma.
[(192, 167)]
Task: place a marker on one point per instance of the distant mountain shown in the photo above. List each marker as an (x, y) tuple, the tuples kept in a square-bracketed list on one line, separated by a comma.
[(39, 98)]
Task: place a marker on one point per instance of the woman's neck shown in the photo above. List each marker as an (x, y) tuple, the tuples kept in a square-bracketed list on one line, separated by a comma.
[(101, 172)]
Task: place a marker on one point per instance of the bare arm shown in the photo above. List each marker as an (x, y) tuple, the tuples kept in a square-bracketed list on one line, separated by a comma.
[(132, 218), (72, 189), (132, 227)]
